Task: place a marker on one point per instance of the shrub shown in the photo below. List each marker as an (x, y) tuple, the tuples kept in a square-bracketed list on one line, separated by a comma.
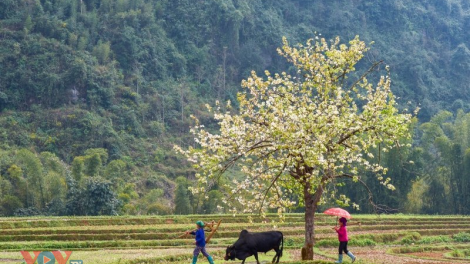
[(327, 243), (55, 207), (289, 242), (129, 209), (461, 237), (410, 238), (363, 242), (434, 239), (10, 204), (457, 253), (158, 209), (29, 211)]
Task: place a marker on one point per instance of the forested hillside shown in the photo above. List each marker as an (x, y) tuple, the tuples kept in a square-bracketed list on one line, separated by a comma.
[(94, 93)]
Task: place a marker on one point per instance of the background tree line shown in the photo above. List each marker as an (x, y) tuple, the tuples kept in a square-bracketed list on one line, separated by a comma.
[(105, 88)]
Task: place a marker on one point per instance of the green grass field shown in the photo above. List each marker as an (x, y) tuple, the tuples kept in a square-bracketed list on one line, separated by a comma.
[(156, 239)]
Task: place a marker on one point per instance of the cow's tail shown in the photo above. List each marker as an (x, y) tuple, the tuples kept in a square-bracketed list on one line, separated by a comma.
[(282, 243)]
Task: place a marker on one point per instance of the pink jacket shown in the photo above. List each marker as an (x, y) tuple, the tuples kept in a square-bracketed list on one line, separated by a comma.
[(342, 234)]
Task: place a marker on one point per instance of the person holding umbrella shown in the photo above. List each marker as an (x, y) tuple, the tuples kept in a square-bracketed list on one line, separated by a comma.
[(343, 240)]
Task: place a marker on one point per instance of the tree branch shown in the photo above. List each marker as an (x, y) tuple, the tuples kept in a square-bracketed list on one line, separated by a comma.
[(378, 208), (271, 185), (347, 136), (371, 69)]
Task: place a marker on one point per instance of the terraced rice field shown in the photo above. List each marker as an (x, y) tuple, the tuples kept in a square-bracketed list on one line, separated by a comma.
[(155, 239)]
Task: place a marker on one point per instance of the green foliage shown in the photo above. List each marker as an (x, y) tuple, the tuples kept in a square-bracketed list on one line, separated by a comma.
[(115, 170), (78, 168), (457, 253), (327, 243), (158, 209), (434, 239), (214, 202), (462, 237), (100, 152), (125, 76), (96, 197), (366, 242), (100, 198), (445, 186), (102, 52), (94, 164), (153, 196), (363, 242), (182, 202), (9, 204), (411, 238)]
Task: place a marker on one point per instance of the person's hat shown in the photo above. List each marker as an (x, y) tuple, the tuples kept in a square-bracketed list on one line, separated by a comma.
[(200, 223)]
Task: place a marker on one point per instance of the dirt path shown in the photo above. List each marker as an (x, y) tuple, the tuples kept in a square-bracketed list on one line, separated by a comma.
[(378, 255)]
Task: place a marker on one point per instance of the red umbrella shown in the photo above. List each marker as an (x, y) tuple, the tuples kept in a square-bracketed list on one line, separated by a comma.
[(338, 212)]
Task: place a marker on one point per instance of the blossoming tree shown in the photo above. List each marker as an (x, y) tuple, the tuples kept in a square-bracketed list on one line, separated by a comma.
[(297, 135)]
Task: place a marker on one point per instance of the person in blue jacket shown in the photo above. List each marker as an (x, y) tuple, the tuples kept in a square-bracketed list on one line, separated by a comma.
[(200, 243)]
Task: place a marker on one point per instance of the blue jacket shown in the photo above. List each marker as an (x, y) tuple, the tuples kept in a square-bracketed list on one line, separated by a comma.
[(200, 237)]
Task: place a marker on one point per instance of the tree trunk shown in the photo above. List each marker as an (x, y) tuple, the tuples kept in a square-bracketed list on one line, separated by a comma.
[(311, 204), (307, 250)]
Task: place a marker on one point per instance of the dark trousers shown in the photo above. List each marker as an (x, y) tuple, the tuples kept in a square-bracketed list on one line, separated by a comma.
[(343, 247), (202, 250)]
